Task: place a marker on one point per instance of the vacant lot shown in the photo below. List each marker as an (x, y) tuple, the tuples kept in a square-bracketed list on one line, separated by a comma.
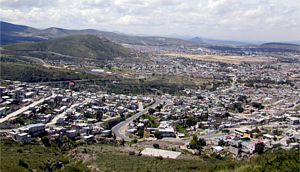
[(223, 59)]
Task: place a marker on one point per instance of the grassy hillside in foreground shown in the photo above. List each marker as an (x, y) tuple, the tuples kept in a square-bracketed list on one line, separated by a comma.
[(35, 157), (36, 73), (18, 157), (110, 158), (83, 46)]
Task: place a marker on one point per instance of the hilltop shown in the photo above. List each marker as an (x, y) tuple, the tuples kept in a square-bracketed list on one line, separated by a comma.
[(11, 33)]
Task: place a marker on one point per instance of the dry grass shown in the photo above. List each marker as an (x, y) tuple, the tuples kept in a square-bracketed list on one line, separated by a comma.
[(223, 59)]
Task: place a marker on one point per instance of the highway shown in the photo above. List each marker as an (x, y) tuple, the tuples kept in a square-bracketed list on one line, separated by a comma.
[(119, 130)]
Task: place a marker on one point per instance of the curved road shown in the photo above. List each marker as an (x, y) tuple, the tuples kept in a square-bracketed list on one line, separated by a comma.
[(119, 130)]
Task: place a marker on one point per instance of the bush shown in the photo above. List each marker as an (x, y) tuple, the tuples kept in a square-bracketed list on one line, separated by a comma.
[(23, 164), (151, 111), (160, 158), (46, 141), (221, 143), (257, 105), (140, 133), (157, 134), (135, 140), (197, 143), (156, 146), (259, 148), (131, 153)]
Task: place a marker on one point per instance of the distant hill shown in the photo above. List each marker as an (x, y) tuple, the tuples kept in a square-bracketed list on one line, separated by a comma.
[(17, 33), (12, 33), (83, 46), (283, 46), (206, 41)]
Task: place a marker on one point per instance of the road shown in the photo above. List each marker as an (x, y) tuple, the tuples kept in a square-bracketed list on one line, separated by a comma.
[(61, 115), (119, 130), (23, 109)]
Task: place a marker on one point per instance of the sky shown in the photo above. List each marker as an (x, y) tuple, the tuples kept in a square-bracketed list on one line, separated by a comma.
[(259, 20)]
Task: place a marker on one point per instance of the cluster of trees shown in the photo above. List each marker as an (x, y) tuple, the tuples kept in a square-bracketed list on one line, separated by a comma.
[(197, 143)]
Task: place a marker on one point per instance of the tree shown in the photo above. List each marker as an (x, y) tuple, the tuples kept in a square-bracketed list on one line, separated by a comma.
[(242, 98), (122, 142), (201, 142), (151, 111), (157, 134), (257, 105), (99, 115), (156, 146), (140, 133), (191, 121), (23, 164), (159, 107), (135, 140), (197, 143), (221, 142), (46, 141), (259, 148), (255, 130)]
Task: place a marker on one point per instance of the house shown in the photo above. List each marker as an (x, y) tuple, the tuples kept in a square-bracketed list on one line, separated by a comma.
[(89, 138), (33, 129), (218, 149), (294, 120), (166, 130), (132, 131), (268, 136), (248, 147), (72, 133), (23, 137), (235, 151), (106, 133)]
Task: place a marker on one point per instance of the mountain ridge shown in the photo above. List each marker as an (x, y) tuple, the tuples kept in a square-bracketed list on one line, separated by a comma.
[(13, 33)]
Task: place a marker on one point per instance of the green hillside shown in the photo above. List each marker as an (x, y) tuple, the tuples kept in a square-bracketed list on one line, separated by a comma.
[(69, 156), (36, 73), (83, 46)]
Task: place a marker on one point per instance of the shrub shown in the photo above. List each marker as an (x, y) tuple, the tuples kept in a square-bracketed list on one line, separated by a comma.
[(156, 146), (135, 140), (23, 164), (131, 153)]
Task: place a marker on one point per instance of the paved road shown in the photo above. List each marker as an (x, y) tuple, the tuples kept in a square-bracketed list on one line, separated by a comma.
[(61, 115), (119, 129), (23, 109)]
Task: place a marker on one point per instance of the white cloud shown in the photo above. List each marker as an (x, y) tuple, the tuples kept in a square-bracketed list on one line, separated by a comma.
[(226, 19)]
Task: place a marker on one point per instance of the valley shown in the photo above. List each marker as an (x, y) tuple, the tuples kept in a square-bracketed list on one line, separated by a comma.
[(90, 100)]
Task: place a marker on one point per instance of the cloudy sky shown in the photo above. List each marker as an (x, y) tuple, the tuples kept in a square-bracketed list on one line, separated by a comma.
[(272, 20)]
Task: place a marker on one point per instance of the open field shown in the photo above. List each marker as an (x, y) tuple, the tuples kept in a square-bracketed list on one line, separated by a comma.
[(223, 59)]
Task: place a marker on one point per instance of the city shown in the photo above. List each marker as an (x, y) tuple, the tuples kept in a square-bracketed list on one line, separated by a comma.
[(82, 99)]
